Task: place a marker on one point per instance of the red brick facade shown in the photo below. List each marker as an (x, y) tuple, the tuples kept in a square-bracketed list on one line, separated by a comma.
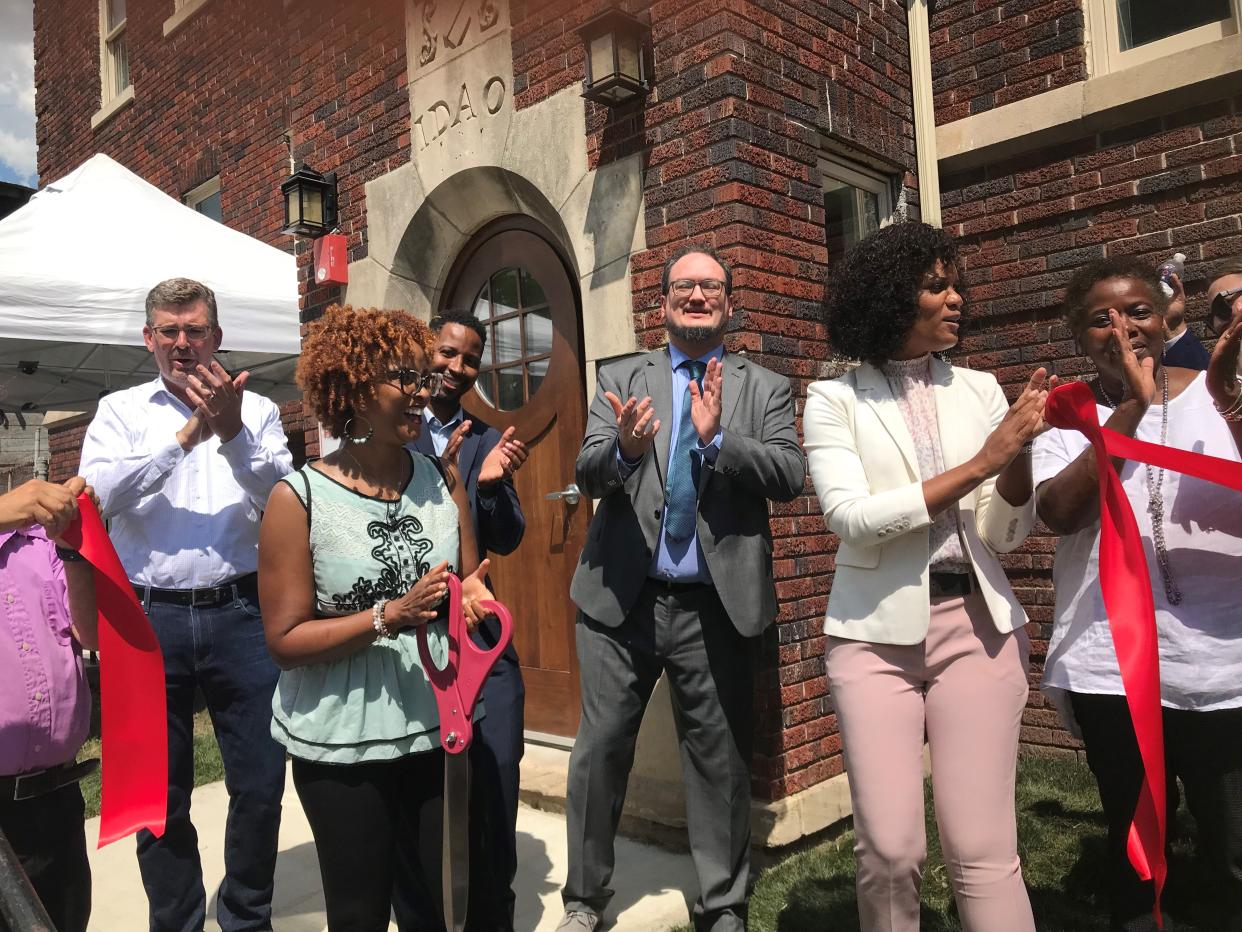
[(987, 54), (732, 132), (747, 96)]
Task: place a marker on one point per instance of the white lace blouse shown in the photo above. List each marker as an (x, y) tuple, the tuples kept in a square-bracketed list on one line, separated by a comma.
[(910, 381)]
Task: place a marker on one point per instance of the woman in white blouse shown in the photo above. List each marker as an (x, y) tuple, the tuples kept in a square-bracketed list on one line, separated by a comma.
[(922, 469), (1192, 535)]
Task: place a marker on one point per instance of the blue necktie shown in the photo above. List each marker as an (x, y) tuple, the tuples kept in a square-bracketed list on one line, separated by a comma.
[(681, 497)]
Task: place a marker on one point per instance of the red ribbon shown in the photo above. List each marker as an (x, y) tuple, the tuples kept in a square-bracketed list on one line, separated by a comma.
[(1125, 583), (131, 687)]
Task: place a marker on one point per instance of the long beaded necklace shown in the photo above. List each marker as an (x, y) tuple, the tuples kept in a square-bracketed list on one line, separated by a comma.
[(1155, 497)]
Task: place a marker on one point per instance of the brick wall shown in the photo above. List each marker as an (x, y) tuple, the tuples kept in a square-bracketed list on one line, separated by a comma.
[(987, 53), (209, 99), (730, 137), (1171, 184), (219, 96)]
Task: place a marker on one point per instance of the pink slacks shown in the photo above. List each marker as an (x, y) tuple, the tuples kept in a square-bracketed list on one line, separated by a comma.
[(966, 684)]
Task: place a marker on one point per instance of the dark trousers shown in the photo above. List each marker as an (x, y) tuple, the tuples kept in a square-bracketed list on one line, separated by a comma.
[(496, 758), (49, 837), (495, 763), (685, 634), (1204, 751), (220, 650), (378, 830)]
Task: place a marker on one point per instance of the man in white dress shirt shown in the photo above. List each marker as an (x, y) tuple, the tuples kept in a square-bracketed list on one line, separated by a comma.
[(183, 466)]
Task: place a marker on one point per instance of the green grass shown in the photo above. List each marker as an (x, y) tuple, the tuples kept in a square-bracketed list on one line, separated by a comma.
[(1061, 836), (207, 765)]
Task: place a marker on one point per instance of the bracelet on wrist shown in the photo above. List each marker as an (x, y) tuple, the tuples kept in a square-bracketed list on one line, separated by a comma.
[(1232, 412), (377, 620), (69, 555)]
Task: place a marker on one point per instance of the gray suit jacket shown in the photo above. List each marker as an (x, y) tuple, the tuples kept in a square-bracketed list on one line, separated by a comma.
[(759, 459)]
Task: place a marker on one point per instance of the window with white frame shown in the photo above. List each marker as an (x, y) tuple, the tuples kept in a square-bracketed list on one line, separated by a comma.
[(1125, 33), (206, 199), (857, 202), (113, 50)]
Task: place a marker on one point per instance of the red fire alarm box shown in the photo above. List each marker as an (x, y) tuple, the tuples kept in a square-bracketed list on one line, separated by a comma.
[(331, 260)]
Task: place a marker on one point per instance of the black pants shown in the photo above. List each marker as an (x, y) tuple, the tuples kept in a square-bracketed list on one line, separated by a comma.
[(49, 837), (377, 826), (495, 759), (1204, 751), (378, 831)]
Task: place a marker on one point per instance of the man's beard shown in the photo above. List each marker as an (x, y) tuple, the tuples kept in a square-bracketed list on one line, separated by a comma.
[(698, 335)]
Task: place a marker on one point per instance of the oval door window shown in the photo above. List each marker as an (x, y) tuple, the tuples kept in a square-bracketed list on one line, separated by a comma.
[(513, 307)]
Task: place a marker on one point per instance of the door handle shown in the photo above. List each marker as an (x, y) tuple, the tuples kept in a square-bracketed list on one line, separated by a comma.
[(570, 495)]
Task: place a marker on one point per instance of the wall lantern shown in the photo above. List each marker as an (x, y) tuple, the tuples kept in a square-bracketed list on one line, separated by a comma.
[(616, 60), (310, 202)]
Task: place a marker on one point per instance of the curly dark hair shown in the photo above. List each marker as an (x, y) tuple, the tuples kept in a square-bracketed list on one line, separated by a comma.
[(1074, 304), (347, 351), (871, 301)]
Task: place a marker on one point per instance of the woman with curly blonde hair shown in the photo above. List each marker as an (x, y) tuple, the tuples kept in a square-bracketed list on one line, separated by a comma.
[(353, 555)]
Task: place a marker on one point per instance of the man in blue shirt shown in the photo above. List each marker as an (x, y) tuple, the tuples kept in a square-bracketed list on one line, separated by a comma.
[(676, 578)]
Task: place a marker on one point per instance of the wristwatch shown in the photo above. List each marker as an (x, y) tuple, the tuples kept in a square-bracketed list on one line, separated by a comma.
[(69, 556)]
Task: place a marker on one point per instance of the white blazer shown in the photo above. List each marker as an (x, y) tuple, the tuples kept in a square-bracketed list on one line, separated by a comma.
[(865, 470)]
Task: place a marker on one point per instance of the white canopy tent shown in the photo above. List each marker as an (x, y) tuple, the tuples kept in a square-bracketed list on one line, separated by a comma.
[(75, 266)]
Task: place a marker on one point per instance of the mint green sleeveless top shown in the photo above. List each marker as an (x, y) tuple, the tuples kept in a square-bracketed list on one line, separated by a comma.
[(375, 704)]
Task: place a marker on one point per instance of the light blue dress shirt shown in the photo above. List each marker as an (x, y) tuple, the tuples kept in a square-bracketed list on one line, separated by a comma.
[(680, 560), (441, 432)]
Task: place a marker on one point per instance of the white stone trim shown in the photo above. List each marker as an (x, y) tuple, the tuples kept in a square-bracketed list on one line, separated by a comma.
[(1068, 112), (182, 14), (926, 137), (112, 107)]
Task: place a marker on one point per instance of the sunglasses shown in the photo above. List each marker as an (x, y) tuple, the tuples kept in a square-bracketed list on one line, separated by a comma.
[(408, 379), (1222, 304)]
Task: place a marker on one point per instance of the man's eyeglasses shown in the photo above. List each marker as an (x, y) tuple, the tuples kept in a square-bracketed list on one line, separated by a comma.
[(1222, 304), (411, 381), (684, 287), (192, 334)]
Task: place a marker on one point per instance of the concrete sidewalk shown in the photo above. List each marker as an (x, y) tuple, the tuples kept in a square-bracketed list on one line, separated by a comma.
[(653, 885)]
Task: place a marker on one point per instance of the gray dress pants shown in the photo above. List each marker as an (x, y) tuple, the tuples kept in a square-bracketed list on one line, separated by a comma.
[(684, 632)]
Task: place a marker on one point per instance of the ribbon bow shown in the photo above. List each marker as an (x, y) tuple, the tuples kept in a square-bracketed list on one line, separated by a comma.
[(1125, 583), (131, 687)]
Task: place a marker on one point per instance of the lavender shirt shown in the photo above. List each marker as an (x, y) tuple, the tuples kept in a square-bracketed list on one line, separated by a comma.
[(45, 705)]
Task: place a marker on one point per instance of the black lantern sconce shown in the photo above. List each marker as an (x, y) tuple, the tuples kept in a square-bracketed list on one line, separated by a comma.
[(310, 202), (616, 58)]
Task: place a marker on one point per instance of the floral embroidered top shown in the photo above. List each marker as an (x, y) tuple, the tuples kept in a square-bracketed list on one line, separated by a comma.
[(910, 381), (375, 704)]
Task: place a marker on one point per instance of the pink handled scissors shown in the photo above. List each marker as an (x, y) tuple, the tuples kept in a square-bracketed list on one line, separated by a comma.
[(458, 684), (457, 687)]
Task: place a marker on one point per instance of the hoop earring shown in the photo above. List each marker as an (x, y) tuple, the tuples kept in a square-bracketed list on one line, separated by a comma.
[(357, 441)]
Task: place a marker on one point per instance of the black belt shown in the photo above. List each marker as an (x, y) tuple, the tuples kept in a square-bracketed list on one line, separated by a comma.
[(676, 585), (247, 585), (41, 782), (950, 584)]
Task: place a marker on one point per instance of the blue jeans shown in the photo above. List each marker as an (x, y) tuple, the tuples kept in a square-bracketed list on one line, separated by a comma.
[(221, 651)]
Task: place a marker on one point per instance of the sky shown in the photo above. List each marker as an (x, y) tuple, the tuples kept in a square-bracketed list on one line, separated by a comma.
[(17, 94)]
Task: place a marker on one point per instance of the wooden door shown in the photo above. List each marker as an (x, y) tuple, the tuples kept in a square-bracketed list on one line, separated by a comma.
[(532, 378)]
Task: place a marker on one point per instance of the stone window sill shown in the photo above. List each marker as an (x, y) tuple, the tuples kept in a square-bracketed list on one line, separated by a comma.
[(1100, 102), (183, 16), (112, 107)]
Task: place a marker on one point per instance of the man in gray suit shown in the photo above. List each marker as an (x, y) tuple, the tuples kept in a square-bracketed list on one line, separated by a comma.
[(676, 577)]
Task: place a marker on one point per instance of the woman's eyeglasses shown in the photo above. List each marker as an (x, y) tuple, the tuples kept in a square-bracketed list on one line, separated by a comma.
[(411, 381)]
